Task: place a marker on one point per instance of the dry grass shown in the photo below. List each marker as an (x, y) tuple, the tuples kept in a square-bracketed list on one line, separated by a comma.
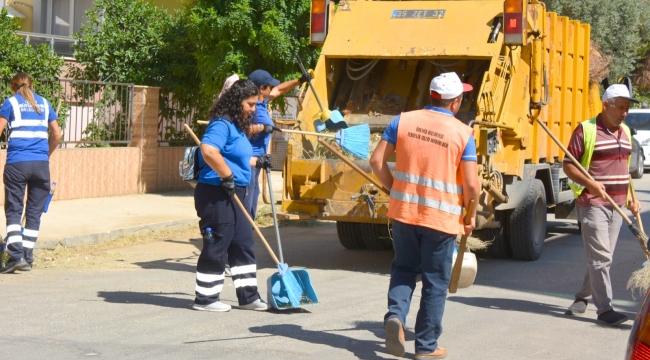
[(639, 281), (474, 244), (264, 218), (598, 64)]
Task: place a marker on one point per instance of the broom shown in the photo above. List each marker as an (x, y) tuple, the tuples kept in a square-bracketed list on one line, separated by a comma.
[(355, 139), (291, 284), (642, 282), (640, 279)]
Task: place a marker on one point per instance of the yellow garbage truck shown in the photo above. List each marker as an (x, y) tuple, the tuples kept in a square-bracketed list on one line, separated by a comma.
[(377, 60)]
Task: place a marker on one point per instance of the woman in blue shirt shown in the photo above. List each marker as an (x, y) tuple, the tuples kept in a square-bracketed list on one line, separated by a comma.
[(29, 117), (226, 232)]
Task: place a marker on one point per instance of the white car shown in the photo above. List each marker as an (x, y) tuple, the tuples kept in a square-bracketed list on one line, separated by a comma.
[(639, 122)]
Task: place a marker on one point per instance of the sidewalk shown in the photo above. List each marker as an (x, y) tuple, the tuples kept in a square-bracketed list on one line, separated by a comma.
[(95, 220)]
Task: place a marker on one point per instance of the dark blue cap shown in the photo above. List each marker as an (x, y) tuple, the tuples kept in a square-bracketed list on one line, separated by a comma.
[(262, 77)]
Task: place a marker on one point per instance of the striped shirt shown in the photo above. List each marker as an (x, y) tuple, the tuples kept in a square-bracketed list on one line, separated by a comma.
[(28, 138), (608, 163)]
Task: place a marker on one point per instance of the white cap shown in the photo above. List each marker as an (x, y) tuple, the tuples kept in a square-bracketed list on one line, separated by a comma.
[(448, 86), (618, 90)]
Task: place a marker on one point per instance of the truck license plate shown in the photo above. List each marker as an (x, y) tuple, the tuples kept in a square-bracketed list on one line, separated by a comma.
[(418, 14)]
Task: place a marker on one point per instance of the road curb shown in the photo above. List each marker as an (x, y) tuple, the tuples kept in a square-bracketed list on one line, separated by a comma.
[(98, 238)]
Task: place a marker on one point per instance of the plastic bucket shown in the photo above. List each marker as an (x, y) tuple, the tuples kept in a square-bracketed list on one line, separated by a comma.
[(468, 270)]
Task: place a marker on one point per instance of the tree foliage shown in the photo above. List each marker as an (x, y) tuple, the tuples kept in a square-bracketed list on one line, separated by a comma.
[(133, 41), (239, 36), (41, 64), (620, 27)]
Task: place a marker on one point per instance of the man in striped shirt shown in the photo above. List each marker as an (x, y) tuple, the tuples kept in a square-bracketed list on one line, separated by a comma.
[(603, 146)]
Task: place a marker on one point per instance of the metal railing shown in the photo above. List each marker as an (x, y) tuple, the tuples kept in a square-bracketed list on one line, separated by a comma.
[(171, 118), (92, 113), (62, 45)]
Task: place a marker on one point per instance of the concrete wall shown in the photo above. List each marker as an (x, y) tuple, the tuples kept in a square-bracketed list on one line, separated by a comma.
[(97, 172)]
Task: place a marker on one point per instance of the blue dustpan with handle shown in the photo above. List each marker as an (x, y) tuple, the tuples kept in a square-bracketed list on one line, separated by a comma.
[(284, 285)]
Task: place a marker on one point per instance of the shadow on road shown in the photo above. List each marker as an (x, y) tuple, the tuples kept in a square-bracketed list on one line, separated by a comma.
[(157, 299), (531, 307)]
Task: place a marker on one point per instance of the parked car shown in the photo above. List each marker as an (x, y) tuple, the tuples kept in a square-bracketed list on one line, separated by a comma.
[(639, 122), (638, 345)]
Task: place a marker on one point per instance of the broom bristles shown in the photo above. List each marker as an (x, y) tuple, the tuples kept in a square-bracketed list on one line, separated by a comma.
[(639, 281), (355, 139)]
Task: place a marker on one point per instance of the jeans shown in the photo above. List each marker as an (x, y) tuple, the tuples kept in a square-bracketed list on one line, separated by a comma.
[(420, 250)]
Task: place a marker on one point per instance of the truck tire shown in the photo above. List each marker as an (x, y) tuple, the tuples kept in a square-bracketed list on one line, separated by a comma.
[(528, 224), (350, 235), (376, 236), (639, 166), (499, 247)]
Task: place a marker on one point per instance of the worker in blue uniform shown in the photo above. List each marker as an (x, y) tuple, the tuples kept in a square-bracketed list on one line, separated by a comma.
[(270, 88), (29, 116), (226, 232)]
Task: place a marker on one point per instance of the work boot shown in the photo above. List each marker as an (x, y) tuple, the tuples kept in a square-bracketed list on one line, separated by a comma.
[(14, 265), (578, 308), (612, 318), (257, 305), (26, 268), (439, 353), (395, 343), (215, 306)]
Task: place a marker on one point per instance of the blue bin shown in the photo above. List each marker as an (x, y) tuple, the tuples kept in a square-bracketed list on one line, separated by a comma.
[(277, 293)]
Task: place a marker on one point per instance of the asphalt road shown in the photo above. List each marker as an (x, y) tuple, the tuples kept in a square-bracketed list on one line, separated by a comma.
[(136, 305)]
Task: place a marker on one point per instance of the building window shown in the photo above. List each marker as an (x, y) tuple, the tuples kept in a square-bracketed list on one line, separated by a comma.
[(60, 17)]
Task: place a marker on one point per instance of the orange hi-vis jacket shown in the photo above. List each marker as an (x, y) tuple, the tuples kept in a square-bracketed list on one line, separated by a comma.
[(427, 187)]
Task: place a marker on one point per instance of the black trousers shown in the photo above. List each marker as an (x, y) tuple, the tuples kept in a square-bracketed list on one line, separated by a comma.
[(35, 175), (232, 239)]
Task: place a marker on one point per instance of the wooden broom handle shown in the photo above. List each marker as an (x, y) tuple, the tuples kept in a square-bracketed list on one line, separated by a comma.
[(203, 122), (354, 166), (582, 169), (241, 206), (638, 217), (458, 265)]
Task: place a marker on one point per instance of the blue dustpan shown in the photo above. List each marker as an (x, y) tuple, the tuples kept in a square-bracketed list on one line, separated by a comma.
[(335, 122), (277, 293)]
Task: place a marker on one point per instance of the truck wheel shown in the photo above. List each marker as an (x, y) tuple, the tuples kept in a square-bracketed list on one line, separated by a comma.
[(639, 166), (350, 235), (376, 236), (528, 224), (499, 247)]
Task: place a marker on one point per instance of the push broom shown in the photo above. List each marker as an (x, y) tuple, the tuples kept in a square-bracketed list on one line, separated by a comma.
[(641, 237), (355, 139), (296, 294)]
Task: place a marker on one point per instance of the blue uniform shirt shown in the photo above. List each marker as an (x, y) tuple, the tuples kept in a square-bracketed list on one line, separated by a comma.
[(28, 139), (390, 135), (235, 149), (260, 141)]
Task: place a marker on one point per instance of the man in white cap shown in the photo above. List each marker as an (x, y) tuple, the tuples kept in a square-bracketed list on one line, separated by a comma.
[(603, 146), (434, 178)]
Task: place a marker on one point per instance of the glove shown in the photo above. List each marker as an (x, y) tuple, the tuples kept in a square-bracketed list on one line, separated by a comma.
[(263, 162), (268, 129), (305, 78), (228, 185)]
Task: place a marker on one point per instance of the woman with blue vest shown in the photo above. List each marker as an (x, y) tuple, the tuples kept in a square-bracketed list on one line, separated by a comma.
[(226, 232), (29, 116)]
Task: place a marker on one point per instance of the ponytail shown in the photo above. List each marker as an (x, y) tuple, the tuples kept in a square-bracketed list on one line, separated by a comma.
[(22, 84)]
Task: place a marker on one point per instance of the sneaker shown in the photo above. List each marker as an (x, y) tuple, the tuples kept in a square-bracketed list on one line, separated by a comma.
[(612, 318), (227, 271), (395, 343), (439, 353), (216, 306), (14, 265), (257, 305), (26, 268), (578, 308)]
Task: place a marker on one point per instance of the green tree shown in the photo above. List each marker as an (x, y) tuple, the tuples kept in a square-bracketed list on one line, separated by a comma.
[(620, 27), (239, 36), (133, 41), (41, 64)]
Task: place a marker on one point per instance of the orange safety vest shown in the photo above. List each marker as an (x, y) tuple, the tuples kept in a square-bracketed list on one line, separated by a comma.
[(427, 187)]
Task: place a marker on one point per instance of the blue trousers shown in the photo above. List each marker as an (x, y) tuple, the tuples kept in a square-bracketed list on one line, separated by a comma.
[(420, 250)]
